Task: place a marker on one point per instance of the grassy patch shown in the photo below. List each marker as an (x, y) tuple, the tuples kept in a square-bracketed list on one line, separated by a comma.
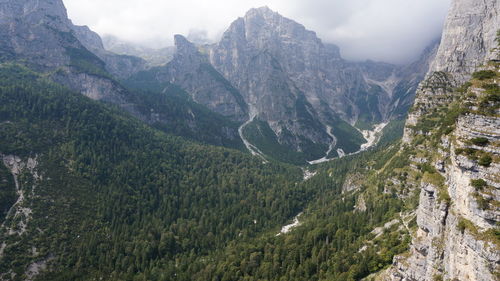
[(484, 74)]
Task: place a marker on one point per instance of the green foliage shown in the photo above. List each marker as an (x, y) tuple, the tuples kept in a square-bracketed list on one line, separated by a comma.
[(86, 62), (484, 74), (173, 112), (138, 201), (464, 88), (437, 277), (480, 141), (8, 194), (262, 136), (121, 201), (483, 203), (485, 160), (348, 138), (478, 184), (466, 225)]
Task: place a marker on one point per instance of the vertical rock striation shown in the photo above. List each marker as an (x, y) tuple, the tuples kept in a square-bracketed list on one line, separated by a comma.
[(458, 218)]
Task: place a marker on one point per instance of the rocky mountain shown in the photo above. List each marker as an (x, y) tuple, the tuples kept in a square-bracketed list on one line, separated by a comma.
[(192, 71), (119, 65), (153, 57), (39, 35), (458, 214), (291, 86)]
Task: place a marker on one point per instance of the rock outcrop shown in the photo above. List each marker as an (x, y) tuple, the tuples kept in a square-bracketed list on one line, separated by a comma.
[(121, 66), (153, 57), (191, 70), (458, 212)]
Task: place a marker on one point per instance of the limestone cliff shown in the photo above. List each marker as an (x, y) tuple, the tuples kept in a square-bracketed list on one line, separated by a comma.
[(454, 129), (191, 70)]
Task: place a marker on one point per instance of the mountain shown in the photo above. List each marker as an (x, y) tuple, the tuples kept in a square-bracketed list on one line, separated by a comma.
[(153, 57), (120, 66), (79, 177), (140, 177), (298, 96), (190, 70), (39, 35), (458, 215)]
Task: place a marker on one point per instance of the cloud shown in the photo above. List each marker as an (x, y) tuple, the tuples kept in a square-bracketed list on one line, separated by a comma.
[(385, 30)]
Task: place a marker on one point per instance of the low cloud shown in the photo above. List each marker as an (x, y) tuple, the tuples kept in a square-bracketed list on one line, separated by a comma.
[(385, 30)]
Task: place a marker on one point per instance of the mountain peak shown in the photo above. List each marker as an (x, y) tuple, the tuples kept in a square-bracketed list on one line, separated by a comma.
[(34, 9), (264, 10), (183, 45), (262, 13)]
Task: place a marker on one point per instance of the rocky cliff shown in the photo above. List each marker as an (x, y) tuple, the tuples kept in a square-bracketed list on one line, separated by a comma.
[(39, 35), (455, 130), (298, 90), (153, 57), (191, 70), (121, 66)]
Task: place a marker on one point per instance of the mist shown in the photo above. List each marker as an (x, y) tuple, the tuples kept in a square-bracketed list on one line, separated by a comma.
[(394, 31)]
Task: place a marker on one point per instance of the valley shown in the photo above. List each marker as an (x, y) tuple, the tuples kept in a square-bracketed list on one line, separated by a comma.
[(263, 154)]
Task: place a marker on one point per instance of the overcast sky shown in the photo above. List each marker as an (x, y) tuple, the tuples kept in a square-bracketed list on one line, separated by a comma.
[(384, 30)]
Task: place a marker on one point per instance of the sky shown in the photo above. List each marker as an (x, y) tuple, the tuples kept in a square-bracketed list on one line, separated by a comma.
[(394, 31)]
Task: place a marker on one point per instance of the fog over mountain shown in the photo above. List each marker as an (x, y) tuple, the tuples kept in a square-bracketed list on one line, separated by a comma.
[(364, 29)]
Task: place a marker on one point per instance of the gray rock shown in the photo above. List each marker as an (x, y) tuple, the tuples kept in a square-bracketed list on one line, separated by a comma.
[(444, 245)]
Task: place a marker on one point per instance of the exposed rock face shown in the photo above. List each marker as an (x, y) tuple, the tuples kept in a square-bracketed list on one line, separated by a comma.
[(284, 70), (264, 43), (454, 239), (40, 34), (34, 30), (468, 37), (121, 66), (153, 57), (191, 70)]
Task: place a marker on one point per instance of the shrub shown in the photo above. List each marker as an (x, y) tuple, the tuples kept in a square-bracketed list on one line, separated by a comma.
[(482, 203), (467, 151), (480, 141), (485, 160), (484, 74), (464, 87), (478, 184)]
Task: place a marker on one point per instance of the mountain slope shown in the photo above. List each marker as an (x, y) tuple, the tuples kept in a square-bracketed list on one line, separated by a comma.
[(458, 215), (39, 35), (91, 180), (301, 87), (190, 70)]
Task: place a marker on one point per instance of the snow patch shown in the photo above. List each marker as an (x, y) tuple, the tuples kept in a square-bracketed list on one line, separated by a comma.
[(340, 152)]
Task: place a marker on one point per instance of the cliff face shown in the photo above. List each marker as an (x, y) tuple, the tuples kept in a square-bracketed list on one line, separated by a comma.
[(191, 70), (121, 66), (153, 57), (468, 38), (458, 213), (40, 34), (264, 43)]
